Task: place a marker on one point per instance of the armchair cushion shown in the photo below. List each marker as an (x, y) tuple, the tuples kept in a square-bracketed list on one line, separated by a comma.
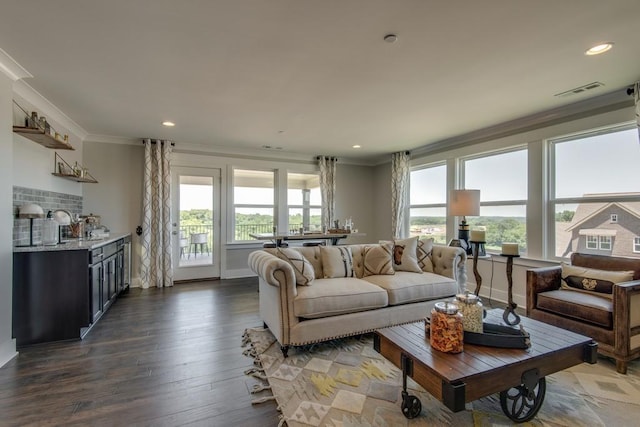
[(586, 307), (592, 280)]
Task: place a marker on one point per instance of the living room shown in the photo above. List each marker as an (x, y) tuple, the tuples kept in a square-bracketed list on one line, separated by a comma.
[(527, 123)]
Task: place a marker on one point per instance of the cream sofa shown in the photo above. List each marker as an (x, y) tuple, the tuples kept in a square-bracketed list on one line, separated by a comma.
[(336, 307)]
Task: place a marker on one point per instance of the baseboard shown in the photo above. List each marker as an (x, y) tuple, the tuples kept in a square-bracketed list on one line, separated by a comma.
[(237, 274), (7, 351)]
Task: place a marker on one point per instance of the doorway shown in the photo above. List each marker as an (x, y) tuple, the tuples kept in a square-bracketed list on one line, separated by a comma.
[(195, 213)]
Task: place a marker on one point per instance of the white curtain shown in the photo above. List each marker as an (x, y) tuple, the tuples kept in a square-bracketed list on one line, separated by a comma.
[(156, 224), (328, 188), (636, 97), (399, 192)]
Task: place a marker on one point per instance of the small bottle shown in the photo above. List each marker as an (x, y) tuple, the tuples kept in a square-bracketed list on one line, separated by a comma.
[(33, 120), (446, 331)]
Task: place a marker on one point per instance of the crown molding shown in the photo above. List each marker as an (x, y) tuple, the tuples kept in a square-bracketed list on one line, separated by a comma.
[(11, 68), (46, 107)]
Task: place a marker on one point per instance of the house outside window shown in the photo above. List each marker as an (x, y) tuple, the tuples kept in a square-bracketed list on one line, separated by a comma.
[(253, 203), (304, 202), (592, 242), (502, 179), (636, 245), (604, 243), (428, 201), (583, 204)]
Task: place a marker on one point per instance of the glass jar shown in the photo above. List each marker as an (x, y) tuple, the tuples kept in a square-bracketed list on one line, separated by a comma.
[(470, 305), (50, 231), (446, 332)]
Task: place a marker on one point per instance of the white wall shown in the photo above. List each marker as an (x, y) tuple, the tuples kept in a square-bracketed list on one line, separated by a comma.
[(7, 343), (117, 197), (33, 163)]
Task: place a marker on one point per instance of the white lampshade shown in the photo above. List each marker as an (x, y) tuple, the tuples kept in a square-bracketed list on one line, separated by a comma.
[(464, 202), (30, 210)]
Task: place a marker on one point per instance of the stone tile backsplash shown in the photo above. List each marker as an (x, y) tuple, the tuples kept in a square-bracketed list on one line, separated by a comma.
[(49, 201)]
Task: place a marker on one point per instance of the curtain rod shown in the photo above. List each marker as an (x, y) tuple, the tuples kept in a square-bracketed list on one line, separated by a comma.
[(153, 141), (327, 157)]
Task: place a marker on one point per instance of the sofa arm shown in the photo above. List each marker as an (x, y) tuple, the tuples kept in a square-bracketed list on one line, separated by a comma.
[(626, 316), (541, 280), (267, 267), (450, 261)]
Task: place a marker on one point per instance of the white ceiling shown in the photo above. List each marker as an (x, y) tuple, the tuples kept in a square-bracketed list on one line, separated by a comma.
[(315, 76)]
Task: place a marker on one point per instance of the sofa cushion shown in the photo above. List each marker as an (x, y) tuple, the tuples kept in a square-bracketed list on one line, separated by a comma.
[(423, 252), (337, 261), (301, 267), (588, 307), (592, 280), (405, 287), (377, 259), (332, 297)]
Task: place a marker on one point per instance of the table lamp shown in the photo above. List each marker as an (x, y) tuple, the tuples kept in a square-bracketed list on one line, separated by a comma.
[(31, 211), (463, 203)]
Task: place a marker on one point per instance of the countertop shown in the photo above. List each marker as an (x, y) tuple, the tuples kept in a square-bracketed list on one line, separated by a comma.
[(74, 244)]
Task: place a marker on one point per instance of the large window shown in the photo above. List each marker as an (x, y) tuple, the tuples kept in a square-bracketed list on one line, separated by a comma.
[(304, 201), (502, 181), (253, 203), (427, 199), (593, 193)]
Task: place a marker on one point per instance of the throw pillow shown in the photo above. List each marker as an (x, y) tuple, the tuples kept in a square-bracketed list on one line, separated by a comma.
[(425, 246), (405, 255), (301, 266), (377, 259), (592, 280), (337, 261)]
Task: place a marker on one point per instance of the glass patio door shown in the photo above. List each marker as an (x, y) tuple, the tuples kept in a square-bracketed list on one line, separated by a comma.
[(195, 217)]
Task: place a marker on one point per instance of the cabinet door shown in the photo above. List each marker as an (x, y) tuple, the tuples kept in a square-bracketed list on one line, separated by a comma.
[(110, 283), (120, 271), (96, 291)]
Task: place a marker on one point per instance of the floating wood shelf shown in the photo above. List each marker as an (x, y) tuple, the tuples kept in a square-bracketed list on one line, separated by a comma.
[(64, 170), (76, 178), (38, 136)]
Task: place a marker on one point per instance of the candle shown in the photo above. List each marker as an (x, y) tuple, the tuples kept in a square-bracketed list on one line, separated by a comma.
[(510, 249), (477, 236)]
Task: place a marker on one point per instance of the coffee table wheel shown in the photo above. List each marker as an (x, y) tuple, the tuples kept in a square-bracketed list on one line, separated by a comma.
[(523, 402), (411, 405)]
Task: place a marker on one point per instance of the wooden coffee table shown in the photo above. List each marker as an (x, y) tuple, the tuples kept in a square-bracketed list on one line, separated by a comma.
[(455, 379)]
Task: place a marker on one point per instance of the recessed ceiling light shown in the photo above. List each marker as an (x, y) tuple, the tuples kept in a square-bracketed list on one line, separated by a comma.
[(356, 146), (601, 48), (390, 38), (168, 124)]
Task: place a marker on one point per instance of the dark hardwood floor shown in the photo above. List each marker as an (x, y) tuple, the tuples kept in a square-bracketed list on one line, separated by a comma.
[(162, 357)]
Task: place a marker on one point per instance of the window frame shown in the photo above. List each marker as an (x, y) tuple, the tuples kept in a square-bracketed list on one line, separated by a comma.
[(304, 206), (496, 203), (603, 242), (636, 245), (410, 206), (234, 205), (552, 201)]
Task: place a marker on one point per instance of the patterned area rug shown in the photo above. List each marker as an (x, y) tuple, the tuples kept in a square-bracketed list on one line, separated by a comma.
[(346, 383)]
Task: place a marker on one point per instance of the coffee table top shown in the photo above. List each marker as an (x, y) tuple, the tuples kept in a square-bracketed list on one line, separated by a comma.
[(549, 345)]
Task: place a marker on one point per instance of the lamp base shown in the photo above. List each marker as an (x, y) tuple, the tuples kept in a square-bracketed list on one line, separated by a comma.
[(463, 236)]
